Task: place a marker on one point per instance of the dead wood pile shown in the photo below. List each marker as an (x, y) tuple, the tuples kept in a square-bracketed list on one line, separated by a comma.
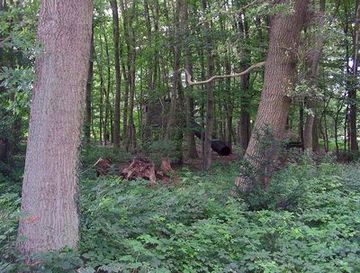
[(142, 167)]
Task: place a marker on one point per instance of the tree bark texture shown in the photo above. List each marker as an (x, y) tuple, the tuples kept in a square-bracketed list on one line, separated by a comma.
[(280, 71), (49, 210)]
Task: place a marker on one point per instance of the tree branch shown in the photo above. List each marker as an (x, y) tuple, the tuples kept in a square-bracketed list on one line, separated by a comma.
[(248, 70)]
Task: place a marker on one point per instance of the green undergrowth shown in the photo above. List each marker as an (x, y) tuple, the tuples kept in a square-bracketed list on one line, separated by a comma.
[(202, 225)]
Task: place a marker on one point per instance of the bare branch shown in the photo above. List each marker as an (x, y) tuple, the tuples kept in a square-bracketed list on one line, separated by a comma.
[(248, 70)]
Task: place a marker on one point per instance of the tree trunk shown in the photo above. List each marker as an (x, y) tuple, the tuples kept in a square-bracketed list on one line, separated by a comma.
[(131, 135), (190, 138), (228, 106), (116, 37), (280, 71), (175, 121), (354, 83), (313, 61), (244, 122), (210, 97), (49, 209), (88, 111), (107, 93)]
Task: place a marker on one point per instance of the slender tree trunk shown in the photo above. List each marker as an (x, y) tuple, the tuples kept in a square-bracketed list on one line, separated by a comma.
[(126, 67), (280, 71), (301, 122), (345, 130), (354, 83), (210, 97), (116, 37), (49, 209), (131, 135), (88, 112), (244, 122), (176, 119), (190, 138), (313, 61), (107, 93), (228, 105)]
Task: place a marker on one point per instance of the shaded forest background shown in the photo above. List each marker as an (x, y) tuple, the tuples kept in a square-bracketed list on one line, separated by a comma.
[(241, 113), (137, 96)]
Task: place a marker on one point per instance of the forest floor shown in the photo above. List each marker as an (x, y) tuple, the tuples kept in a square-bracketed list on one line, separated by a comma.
[(307, 221)]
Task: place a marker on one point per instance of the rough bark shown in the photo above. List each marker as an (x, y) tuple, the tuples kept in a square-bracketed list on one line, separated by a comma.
[(280, 71), (49, 210)]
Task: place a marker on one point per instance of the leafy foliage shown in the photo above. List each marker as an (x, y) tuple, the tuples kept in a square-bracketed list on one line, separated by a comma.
[(200, 226)]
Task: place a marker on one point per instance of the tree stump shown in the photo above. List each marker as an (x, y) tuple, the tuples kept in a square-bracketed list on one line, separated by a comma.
[(102, 166), (140, 167)]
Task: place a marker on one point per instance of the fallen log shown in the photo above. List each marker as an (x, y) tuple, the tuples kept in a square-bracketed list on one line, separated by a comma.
[(217, 145)]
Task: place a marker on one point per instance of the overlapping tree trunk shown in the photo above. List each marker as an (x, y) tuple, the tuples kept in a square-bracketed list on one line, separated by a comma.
[(280, 71)]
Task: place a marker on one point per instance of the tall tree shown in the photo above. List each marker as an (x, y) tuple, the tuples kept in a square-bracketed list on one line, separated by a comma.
[(244, 122), (313, 60), (210, 95), (88, 112), (353, 86), (50, 220), (116, 37), (175, 121), (280, 71)]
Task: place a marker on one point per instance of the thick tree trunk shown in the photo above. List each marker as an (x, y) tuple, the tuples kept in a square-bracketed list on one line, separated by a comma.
[(116, 37), (280, 70), (49, 209)]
